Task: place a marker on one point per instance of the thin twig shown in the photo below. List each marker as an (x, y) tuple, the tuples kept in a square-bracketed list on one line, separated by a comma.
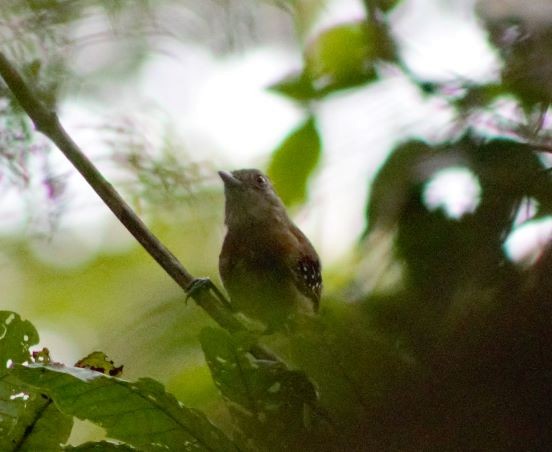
[(541, 147), (47, 122)]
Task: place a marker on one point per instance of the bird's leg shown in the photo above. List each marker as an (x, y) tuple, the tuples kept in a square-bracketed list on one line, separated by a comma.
[(199, 284)]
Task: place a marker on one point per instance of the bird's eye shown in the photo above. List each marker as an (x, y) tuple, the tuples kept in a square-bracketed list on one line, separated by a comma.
[(260, 181)]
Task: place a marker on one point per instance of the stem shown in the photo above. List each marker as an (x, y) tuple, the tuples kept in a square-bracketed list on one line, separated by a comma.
[(47, 122), (370, 9), (541, 147)]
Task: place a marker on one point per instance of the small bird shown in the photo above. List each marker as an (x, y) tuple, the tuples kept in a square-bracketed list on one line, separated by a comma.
[(267, 265)]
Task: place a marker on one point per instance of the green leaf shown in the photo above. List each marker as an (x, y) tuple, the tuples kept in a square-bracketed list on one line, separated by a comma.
[(385, 5), (99, 362), (29, 421), (294, 161), (270, 404), (139, 413), (297, 86), (101, 446), (341, 57), (48, 430), (16, 336), (345, 56)]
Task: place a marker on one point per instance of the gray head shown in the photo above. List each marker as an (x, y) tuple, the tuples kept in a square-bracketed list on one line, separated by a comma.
[(250, 198)]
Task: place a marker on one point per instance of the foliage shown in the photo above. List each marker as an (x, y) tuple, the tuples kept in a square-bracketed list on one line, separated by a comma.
[(16, 337), (140, 412), (271, 405), (455, 355), (294, 161), (28, 419)]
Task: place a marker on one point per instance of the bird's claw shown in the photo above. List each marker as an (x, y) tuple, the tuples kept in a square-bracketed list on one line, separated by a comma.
[(199, 284)]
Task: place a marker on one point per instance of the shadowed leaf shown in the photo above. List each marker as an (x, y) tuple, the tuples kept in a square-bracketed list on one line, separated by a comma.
[(101, 446), (16, 336), (140, 413), (394, 182), (269, 403), (29, 421)]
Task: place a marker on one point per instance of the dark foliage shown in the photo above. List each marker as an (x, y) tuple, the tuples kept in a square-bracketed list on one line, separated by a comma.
[(457, 356)]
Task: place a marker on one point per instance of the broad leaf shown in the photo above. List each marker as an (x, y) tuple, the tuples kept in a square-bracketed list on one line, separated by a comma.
[(341, 57), (140, 413), (48, 429), (29, 421), (270, 404), (16, 336), (101, 446), (294, 161), (345, 55)]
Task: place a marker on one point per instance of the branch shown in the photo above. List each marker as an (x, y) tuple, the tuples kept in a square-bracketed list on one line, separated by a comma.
[(47, 122), (370, 8), (541, 147)]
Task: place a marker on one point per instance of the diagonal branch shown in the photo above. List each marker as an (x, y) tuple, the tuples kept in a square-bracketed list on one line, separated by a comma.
[(47, 122)]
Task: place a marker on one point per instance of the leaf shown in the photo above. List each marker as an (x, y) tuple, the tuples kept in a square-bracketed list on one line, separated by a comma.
[(525, 49), (345, 56), (508, 173), (297, 86), (48, 430), (139, 413), (99, 362), (29, 421), (269, 403), (294, 161), (341, 57), (394, 182), (431, 245), (16, 336), (385, 5), (101, 446)]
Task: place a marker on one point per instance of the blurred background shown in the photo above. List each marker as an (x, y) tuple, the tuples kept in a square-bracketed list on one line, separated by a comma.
[(403, 137)]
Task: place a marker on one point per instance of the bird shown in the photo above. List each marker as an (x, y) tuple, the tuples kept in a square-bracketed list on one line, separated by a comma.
[(268, 267)]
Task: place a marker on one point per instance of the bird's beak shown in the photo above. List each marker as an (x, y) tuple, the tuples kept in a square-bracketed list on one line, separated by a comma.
[(228, 179)]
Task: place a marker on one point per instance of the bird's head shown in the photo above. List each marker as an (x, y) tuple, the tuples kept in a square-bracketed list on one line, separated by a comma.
[(250, 198)]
